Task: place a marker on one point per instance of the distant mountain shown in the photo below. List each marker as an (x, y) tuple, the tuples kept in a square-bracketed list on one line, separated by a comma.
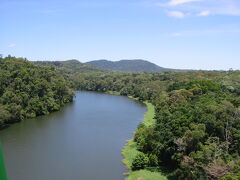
[(134, 66), (71, 66)]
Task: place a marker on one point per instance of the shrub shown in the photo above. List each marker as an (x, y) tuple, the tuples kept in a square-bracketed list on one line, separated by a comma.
[(153, 160), (141, 161)]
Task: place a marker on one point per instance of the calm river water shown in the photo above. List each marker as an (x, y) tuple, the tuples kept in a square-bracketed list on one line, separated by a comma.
[(83, 141)]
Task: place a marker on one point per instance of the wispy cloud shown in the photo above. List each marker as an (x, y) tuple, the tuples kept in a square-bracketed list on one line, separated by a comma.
[(179, 2), (107, 3), (12, 45), (176, 14), (204, 13), (202, 7)]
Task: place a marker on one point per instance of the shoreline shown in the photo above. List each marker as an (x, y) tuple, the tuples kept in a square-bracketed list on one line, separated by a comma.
[(129, 151)]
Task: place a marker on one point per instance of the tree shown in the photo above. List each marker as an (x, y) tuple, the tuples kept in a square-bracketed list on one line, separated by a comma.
[(28, 90)]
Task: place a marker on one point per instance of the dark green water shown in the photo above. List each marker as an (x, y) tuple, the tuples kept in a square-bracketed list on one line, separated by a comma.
[(83, 141)]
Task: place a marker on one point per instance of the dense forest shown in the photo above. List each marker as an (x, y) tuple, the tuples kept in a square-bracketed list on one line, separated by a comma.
[(28, 90), (197, 129), (196, 133)]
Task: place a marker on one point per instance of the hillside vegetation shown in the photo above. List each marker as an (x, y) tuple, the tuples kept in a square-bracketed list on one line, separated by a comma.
[(28, 90), (71, 66), (132, 66)]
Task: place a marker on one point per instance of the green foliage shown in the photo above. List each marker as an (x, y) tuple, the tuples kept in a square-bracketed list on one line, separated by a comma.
[(153, 160), (197, 118), (141, 161), (28, 90), (234, 174)]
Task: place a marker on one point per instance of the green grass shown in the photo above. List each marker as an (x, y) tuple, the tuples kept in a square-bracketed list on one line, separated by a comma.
[(130, 151), (133, 98), (146, 175), (113, 93), (149, 115)]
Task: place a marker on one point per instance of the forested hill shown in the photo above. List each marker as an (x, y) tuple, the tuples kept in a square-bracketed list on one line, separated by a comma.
[(28, 90), (132, 66), (71, 66)]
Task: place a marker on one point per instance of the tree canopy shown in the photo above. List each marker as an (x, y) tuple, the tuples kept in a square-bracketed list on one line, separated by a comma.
[(197, 129), (28, 90)]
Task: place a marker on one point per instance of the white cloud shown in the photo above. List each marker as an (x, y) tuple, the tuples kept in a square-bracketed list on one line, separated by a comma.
[(12, 45), (203, 7), (230, 8), (176, 14), (179, 2), (204, 13)]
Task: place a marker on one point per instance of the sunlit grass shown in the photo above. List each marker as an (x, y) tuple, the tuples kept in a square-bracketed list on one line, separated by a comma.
[(145, 175), (149, 115), (129, 152)]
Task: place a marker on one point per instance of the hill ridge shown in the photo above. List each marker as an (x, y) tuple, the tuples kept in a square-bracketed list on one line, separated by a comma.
[(132, 66)]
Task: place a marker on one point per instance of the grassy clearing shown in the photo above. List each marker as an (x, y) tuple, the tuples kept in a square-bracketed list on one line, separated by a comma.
[(146, 175), (130, 151), (133, 98), (113, 93), (149, 115)]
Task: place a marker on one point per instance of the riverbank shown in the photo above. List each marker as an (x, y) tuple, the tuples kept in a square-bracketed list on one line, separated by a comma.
[(130, 151)]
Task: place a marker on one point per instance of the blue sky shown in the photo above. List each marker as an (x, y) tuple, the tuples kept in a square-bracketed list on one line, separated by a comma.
[(196, 34)]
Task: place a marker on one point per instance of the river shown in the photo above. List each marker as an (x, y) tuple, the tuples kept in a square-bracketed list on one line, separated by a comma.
[(83, 141)]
